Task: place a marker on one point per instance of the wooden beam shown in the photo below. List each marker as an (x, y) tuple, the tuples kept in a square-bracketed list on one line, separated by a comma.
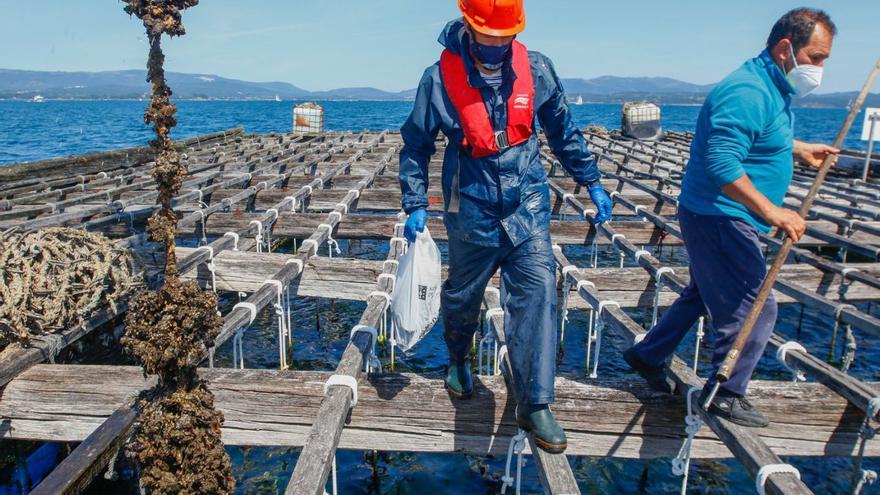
[(554, 470), (609, 417), (352, 279), (313, 466), (76, 472)]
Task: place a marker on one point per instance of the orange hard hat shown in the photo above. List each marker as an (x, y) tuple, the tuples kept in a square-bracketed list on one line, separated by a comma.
[(494, 17)]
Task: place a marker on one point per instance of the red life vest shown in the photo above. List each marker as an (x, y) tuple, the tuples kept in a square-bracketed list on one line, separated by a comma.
[(479, 134)]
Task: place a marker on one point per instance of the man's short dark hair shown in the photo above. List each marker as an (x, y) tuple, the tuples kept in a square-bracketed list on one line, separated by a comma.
[(798, 25)]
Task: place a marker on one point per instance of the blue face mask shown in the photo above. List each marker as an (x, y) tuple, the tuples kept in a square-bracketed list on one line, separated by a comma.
[(491, 57)]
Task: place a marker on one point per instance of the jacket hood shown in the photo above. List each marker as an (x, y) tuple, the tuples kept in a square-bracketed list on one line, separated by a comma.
[(455, 37)]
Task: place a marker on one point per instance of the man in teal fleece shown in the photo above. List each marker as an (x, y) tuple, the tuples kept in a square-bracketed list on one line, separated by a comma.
[(740, 168)]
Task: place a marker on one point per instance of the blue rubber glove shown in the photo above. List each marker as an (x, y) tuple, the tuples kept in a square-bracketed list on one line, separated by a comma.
[(415, 224), (603, 203)]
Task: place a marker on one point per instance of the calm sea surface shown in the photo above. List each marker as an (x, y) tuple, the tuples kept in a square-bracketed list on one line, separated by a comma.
[(321, 326), (35, 131)]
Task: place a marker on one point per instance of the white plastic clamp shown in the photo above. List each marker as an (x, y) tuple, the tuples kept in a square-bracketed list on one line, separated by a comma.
[(782, 353), (259, 225), (567, 196), (393, 262), (873, 407), (638, 254), (614, 194), (771, 469), (102, 175), (343, 206), (662, 271), (326, 226), (296, 261), (234, 239), (309, 193), (585, 283), (617, 236), (364, 328), (568, 269), (201, 194), (337, 215), (381, 294), (501, 353), (847, 271), (401, 240), (389, 276), (279, 287), (293, 202), (492, 312), (357, 193), (343, 381), (605, 304), (840, 309), (248, 306), (274, 212)]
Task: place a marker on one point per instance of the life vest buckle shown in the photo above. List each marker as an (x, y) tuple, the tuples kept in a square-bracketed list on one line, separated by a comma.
[(502, 141)]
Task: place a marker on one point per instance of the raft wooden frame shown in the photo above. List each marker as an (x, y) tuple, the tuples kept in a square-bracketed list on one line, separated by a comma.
[(309, 187)]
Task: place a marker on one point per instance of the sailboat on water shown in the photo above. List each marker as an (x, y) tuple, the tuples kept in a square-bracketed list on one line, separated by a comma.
[(579, 101), (277, 98)]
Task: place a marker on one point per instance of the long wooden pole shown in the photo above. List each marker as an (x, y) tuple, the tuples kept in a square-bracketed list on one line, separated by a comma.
[(733, 355)]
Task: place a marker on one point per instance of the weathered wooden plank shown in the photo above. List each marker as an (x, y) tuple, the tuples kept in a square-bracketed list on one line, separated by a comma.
[(389, 200), (353, 279), (554, 470), (16, 358), (313, 466), (365, 226), (616, 417), (77, 470)]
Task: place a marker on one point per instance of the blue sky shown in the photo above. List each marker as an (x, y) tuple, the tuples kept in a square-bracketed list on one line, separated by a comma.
[(387, 43)]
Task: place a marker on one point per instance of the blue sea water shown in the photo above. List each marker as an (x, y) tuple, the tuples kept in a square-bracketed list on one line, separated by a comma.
[(321, 326), (35, 131)]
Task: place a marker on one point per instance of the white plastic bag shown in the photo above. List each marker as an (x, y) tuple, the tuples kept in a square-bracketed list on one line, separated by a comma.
[(415, 303)]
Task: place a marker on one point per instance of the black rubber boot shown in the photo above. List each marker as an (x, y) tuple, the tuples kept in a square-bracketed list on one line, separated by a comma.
[(734, 408), (459, 382), (656, 376), (538, 420)]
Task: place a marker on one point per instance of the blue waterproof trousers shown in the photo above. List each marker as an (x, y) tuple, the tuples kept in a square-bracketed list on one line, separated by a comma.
[(727, 269), (528, 297)]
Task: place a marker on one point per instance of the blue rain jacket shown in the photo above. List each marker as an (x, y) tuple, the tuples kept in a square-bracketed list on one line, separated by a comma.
[(504, 193)]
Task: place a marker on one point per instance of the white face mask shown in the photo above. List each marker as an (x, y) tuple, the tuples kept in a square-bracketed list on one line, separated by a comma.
[(804, 78)]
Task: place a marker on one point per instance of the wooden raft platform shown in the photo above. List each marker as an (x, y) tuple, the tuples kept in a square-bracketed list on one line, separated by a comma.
[(247, 192), (407, 412)]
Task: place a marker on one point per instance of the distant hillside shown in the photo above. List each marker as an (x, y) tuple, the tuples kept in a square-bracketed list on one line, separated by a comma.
[(131, 84)]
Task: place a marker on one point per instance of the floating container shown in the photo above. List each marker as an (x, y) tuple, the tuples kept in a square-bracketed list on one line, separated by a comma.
[(308, 118), (641, 121)]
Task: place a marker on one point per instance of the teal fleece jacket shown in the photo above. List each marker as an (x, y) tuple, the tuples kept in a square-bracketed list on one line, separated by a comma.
[(745, 127)]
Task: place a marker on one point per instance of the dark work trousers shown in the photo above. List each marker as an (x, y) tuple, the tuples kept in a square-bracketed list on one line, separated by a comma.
[(528, 297), (727, 269)]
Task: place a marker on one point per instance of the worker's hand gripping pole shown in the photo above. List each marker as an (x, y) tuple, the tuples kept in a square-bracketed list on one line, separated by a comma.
[(727, 367)]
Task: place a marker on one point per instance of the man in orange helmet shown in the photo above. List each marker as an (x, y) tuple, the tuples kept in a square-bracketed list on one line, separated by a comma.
[(485, 95)]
